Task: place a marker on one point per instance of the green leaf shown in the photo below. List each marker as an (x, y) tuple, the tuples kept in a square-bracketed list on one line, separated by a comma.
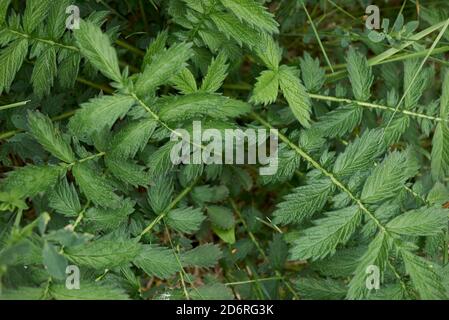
[(340, 121), (163, 67), (99, 113), (388, 178), (35, 13), (11, 59), (156, 47), (221, 217), (185, 82), (266, 89), (183, 108), (227, 235), (127, 171), (420, 222), (426, 276), (160, 194), (322, 239), (88, 291), (215, 291), (269, 52), (415, 88), (360, 154), (303, 203), (295, 94), (216, 74), (44, 72), (376, 255), (185, 220), (132, 138), (234, 29), (253, 13), (277, 252), (157, 261), (101, 219), (440, 142), (28, 181), (64, 199), (103, 254), (360, 75), (95, 186), (54, 262), (49, 137), (320, 289), (204, 256), (96, 47), (312, 74)]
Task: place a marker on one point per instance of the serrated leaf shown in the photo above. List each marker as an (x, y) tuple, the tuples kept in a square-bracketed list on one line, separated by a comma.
[(103, 254), (235, 29), (185, 82), (96, 47), (64, 199), (28, 181), (49, 137), (185, 220), (95, 186), (266, 88), (99, 113), (88, 291), (253, 13), (132, 138), (182, 108), (312, 74), (302, 203), (420, 222), (376, 255), (109, 219), (320, 289), (204, 256), (360, 154), (221, 217), (295, 94), (360, 75), (340, 121), (157, 261), (163, 66), (322, 240), (127, 171), (216, 74), (426, 276), (388, 178), (11, 59), (54, 262), (215, 291)]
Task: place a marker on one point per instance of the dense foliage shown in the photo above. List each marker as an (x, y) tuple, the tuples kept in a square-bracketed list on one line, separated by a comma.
[(86, 177)]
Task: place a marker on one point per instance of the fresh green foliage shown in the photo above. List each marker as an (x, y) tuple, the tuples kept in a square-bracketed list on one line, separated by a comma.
[(357, 208)]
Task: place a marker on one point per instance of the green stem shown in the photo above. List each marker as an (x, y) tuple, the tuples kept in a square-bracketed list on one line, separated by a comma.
[(320, 168), (375, 106), (14, 105), (317, 36), (259, 248), (161, 216)]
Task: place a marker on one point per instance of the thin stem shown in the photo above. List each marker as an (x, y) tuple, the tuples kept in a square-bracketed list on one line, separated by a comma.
[(317, 36), (440, 35), (14, 105), (161, 216), (376, 106), (328, 174), (259, 248)]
